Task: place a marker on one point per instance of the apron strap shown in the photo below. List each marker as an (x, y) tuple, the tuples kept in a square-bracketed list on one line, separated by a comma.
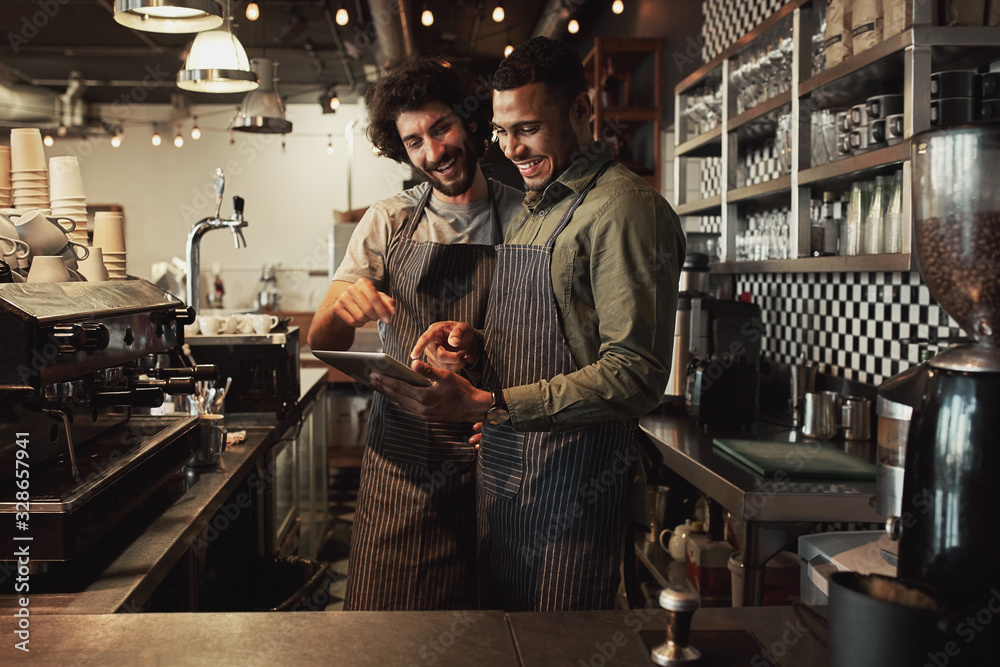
[(550, 243)]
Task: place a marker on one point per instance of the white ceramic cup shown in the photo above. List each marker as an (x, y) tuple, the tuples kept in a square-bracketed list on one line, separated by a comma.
[(92, 267), (45, 236), (192, 329), (48, 269), (263, 323), (211, 325)]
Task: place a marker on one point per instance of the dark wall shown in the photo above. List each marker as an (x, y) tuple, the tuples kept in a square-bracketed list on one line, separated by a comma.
[(676, 22)]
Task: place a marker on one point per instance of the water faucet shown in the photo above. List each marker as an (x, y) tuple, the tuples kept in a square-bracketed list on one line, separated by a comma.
[(202, 227)]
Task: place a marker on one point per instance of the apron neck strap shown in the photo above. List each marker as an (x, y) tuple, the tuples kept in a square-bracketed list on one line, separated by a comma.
[(576, 203)]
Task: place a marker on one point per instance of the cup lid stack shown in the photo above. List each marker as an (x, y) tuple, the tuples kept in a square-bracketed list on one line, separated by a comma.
[(29, 172), (68, 198), (109, 236)]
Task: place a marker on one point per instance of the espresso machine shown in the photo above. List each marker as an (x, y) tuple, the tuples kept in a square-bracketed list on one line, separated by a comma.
[(79, 361), (949, 529)]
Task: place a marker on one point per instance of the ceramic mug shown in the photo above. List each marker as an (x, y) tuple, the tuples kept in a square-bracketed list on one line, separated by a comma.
[(211, 325), (48, 269), (263, 323), (677, 547), (45, 235), (13, 246)]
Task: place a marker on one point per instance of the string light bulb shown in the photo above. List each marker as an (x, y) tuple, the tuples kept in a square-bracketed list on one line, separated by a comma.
[(195, 130), (156, 140), (334, 103), (573, 26), (116, 139), (253, 11), (48, 140), (179, 138), (62, 131), (618, 6), (427, 17), (507, 49), (329, 144), (342, 17), (498, 13)]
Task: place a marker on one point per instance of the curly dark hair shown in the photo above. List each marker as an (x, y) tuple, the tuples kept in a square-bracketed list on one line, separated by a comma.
[(411, 84), (543, 60)]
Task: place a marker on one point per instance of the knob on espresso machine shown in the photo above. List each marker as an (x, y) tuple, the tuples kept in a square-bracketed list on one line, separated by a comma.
[(82, 337)]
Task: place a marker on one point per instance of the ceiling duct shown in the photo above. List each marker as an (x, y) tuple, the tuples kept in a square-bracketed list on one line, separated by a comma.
[(27, 104), (393, 23)]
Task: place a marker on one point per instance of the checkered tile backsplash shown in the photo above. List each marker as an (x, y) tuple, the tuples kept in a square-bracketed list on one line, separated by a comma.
[(852, 323)]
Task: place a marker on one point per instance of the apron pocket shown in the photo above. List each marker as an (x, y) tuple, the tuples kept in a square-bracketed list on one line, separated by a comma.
[(502, 461)]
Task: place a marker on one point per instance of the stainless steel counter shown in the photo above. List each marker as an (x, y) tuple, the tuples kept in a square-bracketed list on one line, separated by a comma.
[(784, 636), (130, 578), (776, 509)]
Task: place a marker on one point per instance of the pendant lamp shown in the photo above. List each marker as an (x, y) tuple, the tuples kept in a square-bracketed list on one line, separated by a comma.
[(262, 110), (176, 16), (217, 63)]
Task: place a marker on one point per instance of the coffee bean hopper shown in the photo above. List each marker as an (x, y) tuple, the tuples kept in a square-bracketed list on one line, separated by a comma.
[(78, 359), (950, 521)]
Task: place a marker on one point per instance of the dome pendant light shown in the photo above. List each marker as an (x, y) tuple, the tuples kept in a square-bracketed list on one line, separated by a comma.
[(262, 110), (174, 16), (217, 63)]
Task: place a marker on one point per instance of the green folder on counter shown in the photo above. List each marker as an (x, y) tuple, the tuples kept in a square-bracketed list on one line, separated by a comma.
[(810, 459)]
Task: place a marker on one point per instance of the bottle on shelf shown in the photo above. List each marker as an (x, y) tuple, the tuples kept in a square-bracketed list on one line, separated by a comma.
[(875, 218), (857, 209), (893, 239), (831, 224)]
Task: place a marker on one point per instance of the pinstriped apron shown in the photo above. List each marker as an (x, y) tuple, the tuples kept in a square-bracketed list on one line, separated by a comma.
[(413, 545), (551, 505)]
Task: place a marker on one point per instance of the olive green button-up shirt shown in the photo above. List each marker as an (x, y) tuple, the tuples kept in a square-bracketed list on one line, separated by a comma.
[(615, 270)]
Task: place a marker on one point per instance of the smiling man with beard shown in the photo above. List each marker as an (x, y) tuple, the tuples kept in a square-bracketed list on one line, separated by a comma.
[(420, 256)]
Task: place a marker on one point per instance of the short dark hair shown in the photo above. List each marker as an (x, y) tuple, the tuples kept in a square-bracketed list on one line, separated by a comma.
[(543, 60), (413, 83)]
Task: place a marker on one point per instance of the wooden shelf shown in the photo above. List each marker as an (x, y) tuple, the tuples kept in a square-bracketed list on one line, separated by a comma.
[(708, 144), (707, 206), (836, 264), (763, 110), (856, 164), (780, 185)]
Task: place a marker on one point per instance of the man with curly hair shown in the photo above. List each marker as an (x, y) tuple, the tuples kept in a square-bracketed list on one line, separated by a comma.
[(576, 346), (423, 255)]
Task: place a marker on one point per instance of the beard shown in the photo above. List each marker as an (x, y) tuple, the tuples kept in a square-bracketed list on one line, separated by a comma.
[(463, 181)]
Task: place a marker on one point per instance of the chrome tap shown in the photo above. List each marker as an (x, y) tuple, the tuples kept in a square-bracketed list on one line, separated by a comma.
[(202, 227)]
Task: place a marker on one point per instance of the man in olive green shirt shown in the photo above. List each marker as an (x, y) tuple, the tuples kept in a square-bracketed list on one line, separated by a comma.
[(576, 347)]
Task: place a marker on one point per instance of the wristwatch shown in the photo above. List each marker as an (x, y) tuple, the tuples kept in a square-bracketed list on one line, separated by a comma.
[(497, 414)]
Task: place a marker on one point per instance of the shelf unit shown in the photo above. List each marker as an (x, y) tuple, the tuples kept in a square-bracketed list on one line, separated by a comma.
[(634, 119), (907, 59)]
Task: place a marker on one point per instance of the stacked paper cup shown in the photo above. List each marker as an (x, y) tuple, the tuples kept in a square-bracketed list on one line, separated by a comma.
[(5, 189), (29, 174), (109, 236), (68, 199)]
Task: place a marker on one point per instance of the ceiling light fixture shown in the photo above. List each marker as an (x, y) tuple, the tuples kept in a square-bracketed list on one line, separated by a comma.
[(329, 101), (48, 140), (116, 138), (427, 16), (618, 6), (179, 138), (507, 49), (62, 131), (262, 110), (176, 16), (195, 130), (498, 13), (253, 11), (156, 140), (342, 17), (217, 63), (573, 26), (329, 144)]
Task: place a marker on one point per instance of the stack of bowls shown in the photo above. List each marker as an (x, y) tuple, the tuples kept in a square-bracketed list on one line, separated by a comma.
[(68, 198), (6, 198), (109, 236), (29, 174)]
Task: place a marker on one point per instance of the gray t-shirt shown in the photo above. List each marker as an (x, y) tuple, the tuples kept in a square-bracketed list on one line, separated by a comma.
[(441, 223)]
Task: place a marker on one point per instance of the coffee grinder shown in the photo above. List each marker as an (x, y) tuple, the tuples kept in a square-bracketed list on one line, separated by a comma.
[(950, 523)]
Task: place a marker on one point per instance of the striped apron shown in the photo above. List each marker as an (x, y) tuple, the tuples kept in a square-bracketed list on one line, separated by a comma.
[(413, 545), (551, 505)]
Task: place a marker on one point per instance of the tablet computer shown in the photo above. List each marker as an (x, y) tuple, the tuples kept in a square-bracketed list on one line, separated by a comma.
[(359, 365)]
